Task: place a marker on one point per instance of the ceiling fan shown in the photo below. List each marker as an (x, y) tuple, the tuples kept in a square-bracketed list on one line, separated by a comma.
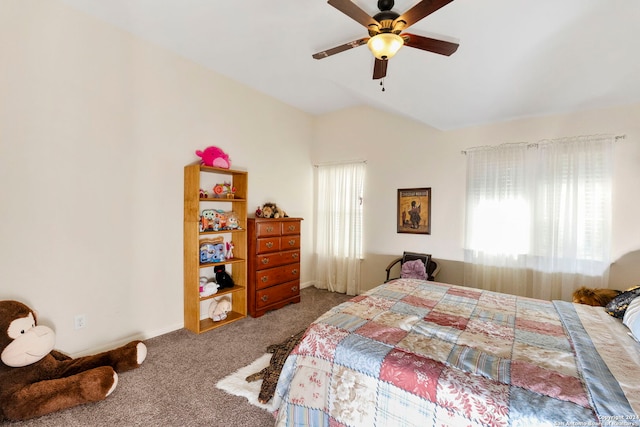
[(385, 29)]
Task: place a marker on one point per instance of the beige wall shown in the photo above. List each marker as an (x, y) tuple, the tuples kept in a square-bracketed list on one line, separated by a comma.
[(95, 128), (404, 154)]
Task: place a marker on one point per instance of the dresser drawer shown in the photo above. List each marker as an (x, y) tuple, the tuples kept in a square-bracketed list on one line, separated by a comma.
[(278, 293), (290, 242), (268, 228), (290, 227), (270, 260), (273, 276), (267, 244)]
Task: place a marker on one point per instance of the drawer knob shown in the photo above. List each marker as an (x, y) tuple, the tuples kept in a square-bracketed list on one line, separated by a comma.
[(269, 245), (294, 271), (265, 260), (264, 298), (264, 278), (269, 229), (292, 227), (292, 242), (294, 288), (295, 256)]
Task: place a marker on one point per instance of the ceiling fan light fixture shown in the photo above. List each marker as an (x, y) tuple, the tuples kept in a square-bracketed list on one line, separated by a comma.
[(385, 45)]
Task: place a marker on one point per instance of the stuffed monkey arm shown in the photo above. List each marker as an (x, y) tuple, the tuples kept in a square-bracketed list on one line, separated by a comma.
[(121, 359)]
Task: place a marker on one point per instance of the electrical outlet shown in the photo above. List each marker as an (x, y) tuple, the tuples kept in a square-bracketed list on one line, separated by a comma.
[(80, 321)]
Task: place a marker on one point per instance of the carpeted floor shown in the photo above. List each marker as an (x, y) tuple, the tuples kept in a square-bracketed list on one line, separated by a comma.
[(176, 384)]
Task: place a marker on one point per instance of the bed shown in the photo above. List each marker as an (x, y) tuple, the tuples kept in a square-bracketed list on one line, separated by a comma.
[(418, 353)]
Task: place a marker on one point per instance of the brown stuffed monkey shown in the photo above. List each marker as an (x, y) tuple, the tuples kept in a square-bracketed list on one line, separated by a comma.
[(36, 380)]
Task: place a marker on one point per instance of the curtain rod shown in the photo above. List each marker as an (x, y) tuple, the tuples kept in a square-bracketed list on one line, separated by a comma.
[(615, 138), (339, 162)]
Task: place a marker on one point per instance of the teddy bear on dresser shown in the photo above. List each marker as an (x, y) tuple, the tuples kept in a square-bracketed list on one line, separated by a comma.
[(36, 380), (271, 210)]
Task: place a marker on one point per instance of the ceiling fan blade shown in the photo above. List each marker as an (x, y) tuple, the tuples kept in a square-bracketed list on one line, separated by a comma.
[(432, 45), (380, 68), (354, 12), (420, 10), (340, 48)]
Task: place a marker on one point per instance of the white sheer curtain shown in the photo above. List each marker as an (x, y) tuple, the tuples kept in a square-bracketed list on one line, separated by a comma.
[(497, 219), (338, 243), (538, 216)]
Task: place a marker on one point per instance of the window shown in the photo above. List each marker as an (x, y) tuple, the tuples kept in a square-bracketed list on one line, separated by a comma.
[(543, 207), (339, 211)]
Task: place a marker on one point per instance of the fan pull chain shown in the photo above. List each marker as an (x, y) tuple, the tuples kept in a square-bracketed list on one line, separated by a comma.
[(382, 84)]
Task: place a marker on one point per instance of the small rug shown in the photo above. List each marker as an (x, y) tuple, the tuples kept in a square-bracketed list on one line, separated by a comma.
[(237, 384)]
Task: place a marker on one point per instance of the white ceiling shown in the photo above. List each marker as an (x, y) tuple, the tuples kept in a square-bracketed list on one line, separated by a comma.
[(517, 58)]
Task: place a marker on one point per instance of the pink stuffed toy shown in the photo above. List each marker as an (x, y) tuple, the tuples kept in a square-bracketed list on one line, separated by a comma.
[(414, 270), (214, 156)]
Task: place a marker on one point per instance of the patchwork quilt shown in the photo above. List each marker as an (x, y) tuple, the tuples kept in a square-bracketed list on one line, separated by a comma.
[(418, 353)]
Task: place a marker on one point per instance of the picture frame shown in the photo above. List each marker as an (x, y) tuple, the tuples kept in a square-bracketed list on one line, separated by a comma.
[(414, 210)]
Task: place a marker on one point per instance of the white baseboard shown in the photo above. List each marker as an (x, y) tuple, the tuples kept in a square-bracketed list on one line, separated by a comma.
[(138, 336), (147, 335), (306, 285)]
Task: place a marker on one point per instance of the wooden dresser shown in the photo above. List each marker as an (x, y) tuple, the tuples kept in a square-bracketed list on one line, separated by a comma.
[(273, 263)]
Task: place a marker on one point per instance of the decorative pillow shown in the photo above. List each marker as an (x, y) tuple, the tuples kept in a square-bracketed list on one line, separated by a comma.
[(414, 269), (631, 318), (619, 304)]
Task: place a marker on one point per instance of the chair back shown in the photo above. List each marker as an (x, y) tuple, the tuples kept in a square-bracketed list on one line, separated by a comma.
[(410, 256), (430, 265)]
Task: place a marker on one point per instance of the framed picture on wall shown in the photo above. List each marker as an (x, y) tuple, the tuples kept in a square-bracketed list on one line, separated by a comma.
[(414, 210)]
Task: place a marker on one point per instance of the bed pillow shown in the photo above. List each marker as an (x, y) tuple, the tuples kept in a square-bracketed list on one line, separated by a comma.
[(619, 304), (414, 269), (631, 318)]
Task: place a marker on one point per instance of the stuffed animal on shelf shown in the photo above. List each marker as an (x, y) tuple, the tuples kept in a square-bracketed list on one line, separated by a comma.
[(208, 220), (230, 247), (232, 220), (218, 309), (36, 380), (271, 210), (222, 277), (221, 219), (214, 156), (207, 287)]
